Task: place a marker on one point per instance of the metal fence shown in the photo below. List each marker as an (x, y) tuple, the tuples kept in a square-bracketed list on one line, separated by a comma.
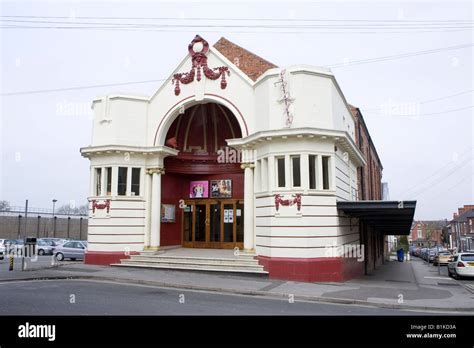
[(15, 210)]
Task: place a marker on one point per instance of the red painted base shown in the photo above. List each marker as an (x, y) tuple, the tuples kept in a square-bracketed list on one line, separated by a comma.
[(332, 269), (106, 257)]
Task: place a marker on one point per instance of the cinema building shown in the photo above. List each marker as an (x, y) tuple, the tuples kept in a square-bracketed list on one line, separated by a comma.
[(233, 152)]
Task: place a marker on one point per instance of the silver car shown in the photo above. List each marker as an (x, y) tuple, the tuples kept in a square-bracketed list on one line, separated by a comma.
[(56, 241), (44, 248), (73, 249)]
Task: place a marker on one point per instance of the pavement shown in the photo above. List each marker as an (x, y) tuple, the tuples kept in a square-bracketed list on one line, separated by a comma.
[(412, 285)]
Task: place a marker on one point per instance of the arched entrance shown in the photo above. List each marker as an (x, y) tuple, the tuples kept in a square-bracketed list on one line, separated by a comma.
[(205, 178)]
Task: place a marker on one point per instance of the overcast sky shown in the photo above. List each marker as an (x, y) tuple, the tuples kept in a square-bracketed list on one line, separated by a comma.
[(427, 157)]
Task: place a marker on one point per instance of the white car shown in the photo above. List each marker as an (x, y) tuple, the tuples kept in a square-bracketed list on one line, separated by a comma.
[(2, 248), (462, 265)]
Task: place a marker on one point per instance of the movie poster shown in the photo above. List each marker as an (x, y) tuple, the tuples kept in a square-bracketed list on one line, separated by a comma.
[(199, 189), (168, 213), (221, 188)]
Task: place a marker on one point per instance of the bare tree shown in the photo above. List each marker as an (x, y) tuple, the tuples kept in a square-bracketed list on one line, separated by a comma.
[(67, 209), (4, 206), (83, 209)]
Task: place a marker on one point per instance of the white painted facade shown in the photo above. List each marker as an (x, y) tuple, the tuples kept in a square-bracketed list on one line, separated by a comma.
[(130, 131)]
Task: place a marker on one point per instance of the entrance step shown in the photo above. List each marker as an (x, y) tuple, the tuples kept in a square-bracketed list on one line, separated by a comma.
[(193, 260), (238, 264)]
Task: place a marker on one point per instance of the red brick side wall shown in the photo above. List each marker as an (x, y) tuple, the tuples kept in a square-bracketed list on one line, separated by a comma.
[(334, 269), (370, 188), (106, 257)]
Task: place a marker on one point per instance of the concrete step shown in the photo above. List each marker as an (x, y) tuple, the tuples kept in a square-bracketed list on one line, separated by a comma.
[(194, 268), (229, 256), (249, 261), (232, 265), (244, 263)]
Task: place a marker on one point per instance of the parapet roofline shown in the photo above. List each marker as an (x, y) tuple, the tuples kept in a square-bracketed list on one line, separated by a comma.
[(341, 137), (122, 96)]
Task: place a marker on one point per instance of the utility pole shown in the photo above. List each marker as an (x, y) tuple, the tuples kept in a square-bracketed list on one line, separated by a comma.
[(26, 218), (54, 221), (26, 234)]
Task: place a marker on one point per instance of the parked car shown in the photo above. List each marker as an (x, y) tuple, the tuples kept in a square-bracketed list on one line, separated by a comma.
[(47, 241), (423, 253), (431, 255), (73, 249), (462, 265), (44, 247), (56, 241), (3, 248), (16, 245), (443, 258), (417, 252)]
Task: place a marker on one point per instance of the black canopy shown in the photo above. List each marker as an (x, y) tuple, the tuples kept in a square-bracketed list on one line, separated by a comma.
[(386, 217)]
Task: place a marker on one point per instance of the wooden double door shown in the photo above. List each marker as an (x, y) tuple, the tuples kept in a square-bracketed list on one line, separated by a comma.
[(213, 223)]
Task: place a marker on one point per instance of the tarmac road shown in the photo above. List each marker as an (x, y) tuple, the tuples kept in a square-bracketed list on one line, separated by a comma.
[(83, 297)]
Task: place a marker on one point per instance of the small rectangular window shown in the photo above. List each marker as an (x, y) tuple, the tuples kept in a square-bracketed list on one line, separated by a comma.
[(122, 181), (312, 172), (108, 181), (281, 172), (135, 181), (295, 163), (325, 172), (98, 182)]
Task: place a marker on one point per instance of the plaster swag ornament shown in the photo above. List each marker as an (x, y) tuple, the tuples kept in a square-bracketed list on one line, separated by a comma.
[(104, 205), (199, 62), (288, 202)]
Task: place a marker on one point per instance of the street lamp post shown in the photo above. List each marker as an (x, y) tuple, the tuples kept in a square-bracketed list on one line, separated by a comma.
[(54, 222)]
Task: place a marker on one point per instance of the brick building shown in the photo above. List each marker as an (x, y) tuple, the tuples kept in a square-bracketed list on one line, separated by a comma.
[(369, 177), (369, 180), (427, 233), (462, 229)]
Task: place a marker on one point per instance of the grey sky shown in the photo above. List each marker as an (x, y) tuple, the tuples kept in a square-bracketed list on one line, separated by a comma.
[(428, 158)]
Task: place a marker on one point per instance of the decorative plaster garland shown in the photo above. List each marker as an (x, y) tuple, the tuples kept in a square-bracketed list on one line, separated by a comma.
[(288, 202), (199, 61)]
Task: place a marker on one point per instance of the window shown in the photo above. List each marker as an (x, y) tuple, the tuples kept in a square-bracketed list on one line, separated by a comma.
[(264, 174), (108, 181), (295, 163), (135, 181), (98, 183), (467, 257), (281, 171), (122, 181), (354, 194), (312, 172), (325, 172)]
